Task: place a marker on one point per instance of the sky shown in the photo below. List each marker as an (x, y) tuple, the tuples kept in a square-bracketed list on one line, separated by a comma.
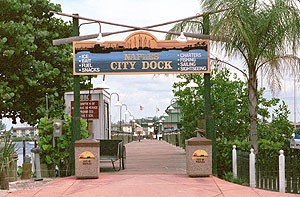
[(149, 91)]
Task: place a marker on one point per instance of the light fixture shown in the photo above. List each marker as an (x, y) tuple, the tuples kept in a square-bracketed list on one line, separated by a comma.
[(192, 84), (118, 104), (127, 112), (132, 118), (182, 38), (166, 115), (103, 85), (163, 119), (171, 107), (100, 39)]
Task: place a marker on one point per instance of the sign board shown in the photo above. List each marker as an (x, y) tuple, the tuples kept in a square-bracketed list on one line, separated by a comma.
[(88, 109), (141, 53), (295, 143)]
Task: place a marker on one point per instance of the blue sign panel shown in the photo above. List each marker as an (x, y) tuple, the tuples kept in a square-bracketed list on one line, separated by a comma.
[(142, 62)]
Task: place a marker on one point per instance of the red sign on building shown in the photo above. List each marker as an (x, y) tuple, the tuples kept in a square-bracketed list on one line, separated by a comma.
[(88, 109)]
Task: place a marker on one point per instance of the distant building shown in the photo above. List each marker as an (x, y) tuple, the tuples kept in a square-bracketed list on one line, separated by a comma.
[(126, 127), (172, 122), (25, 131), (297, 126)]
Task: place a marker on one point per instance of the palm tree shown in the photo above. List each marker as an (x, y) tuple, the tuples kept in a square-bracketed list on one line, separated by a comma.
[(263, 34)]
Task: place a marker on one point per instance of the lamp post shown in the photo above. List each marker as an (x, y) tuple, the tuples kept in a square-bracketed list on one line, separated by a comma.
[(118, 104), (124, 114), (173, 100), (171, 103), (209, 121), (76, 117), (133, 123)]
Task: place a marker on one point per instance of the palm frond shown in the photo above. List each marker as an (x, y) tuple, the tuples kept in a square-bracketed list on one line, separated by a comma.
[(194, 26), (280, 67)]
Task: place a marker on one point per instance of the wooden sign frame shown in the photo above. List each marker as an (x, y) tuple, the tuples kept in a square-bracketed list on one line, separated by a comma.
[(140, 41)]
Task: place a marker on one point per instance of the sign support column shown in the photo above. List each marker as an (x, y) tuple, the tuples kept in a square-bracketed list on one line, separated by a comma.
[(76, 117), (209, 121)]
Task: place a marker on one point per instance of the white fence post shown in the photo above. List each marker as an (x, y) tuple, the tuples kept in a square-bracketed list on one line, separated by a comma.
[(234, 162), (252, 168), (281, 172)]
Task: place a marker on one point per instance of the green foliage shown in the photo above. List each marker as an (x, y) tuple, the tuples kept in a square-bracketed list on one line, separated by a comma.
[(30, 65), (20, 171), (229, 177), (267, 150), (229, 107), (261, 34), (228, 101), (59, 155), (279, 129), (7, 148), (2, 125), (224, 153)]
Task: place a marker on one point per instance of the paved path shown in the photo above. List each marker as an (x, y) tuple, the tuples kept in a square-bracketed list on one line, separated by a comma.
[(154, 168), (151, 157)]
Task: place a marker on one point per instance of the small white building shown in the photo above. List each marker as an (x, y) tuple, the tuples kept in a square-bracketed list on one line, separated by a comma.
[(25, 132), (95, 108)]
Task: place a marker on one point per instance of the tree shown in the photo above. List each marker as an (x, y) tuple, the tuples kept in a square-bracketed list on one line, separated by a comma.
[(229, 108), (264, 35), (31, 66), (228, 100)]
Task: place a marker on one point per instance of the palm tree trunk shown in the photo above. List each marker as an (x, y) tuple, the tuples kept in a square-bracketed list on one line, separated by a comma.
[(252, 106)]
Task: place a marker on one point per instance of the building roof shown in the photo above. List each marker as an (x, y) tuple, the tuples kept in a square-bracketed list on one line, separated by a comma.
[(297, 123)]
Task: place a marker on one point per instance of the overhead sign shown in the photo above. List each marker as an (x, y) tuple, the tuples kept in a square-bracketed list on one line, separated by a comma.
[(141, 53), (88, 109)]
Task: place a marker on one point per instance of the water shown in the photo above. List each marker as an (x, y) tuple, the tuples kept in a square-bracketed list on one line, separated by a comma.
[(28, 146)]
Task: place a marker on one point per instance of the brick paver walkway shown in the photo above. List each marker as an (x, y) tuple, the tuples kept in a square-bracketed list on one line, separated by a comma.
[(151, 157), (154, 168)]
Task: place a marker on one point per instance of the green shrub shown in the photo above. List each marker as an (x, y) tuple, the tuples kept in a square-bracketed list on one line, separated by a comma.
[(267, 149), (228, 176), (60, 154), (224, 153)]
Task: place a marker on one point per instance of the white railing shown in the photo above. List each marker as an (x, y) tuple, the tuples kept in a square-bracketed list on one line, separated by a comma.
[(252, 170)]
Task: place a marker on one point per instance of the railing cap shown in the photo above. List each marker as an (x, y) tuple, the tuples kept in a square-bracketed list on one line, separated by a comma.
[(234, 146), (281, 152)]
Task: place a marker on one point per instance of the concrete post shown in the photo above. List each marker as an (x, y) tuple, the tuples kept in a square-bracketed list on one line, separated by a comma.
[(281, 172), (252, 168), (33, 163), (36, 162), (234, 162)]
